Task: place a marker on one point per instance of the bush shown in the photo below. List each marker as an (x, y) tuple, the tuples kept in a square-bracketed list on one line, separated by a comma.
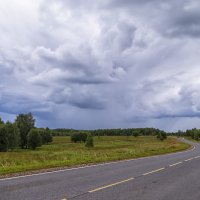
[(83, 137), (78, 137), (89, 141), (162, 136), (75, 137), (136, 133), (34, 139), (46, 136)]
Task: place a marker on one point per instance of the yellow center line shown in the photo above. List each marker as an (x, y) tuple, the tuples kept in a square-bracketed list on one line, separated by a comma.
[(178, 163), (113, 184), (157, 170), (189, 159)]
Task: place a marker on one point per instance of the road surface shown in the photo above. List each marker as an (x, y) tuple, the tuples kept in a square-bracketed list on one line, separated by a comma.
[(166, 177)]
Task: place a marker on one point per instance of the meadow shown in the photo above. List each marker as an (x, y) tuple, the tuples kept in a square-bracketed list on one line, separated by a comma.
[(63, 153)]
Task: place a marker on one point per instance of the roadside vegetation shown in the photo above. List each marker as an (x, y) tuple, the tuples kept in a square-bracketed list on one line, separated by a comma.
[(192, 134), (63, 152), (24, 147), (22, 134)]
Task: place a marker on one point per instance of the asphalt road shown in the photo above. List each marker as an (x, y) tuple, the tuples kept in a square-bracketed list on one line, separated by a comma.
[(167, 177)]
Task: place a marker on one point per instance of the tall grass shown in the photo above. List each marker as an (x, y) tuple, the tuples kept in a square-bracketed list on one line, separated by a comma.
[(64, 153)]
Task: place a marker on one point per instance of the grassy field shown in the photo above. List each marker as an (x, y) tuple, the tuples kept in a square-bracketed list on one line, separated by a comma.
[(64, 153)]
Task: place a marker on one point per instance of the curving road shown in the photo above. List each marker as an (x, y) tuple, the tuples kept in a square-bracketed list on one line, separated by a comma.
[(166, 177)]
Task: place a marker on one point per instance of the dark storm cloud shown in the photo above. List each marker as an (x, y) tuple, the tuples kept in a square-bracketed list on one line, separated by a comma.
[(182, 115), (184, 21), (172, 18), (110, 62), (83, 99), (14, 103), (128, 3), (87, 103)]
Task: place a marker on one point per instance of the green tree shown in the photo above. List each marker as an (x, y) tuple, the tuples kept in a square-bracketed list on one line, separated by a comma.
[(1, 121), (46, 136), (3, 139), (89, 141), (12, 133), (34, 139), (196, 134), (25, 122)]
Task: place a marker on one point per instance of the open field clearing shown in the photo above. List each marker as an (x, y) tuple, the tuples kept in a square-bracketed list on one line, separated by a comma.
[(64, 153)]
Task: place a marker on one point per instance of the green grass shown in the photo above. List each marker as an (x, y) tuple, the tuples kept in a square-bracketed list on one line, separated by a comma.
[(64, 153)]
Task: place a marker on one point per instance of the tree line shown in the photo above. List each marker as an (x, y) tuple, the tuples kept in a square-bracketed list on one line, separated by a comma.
[(22, 134), (192, 133), (81, 136), (111, 132)]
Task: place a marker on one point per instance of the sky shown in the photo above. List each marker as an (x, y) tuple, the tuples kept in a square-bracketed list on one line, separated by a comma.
[(89, 64)]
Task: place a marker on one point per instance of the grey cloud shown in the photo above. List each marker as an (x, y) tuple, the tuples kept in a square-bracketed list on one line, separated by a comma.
[(13, 103), (171, 18), (128, 3), (182, 115), (6, 65), (184, 23), (81, 98), (115, 63), (87, 103), (120, 37)]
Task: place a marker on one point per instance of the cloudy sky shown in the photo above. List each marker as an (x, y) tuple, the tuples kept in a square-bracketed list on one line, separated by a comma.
[(101, 64)]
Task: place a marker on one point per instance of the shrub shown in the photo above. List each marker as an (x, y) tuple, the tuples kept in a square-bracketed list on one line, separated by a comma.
[(89, 141), (34, 139), (78, 137), (46, 136), (83, 137), (162, 135), (136, 133)]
